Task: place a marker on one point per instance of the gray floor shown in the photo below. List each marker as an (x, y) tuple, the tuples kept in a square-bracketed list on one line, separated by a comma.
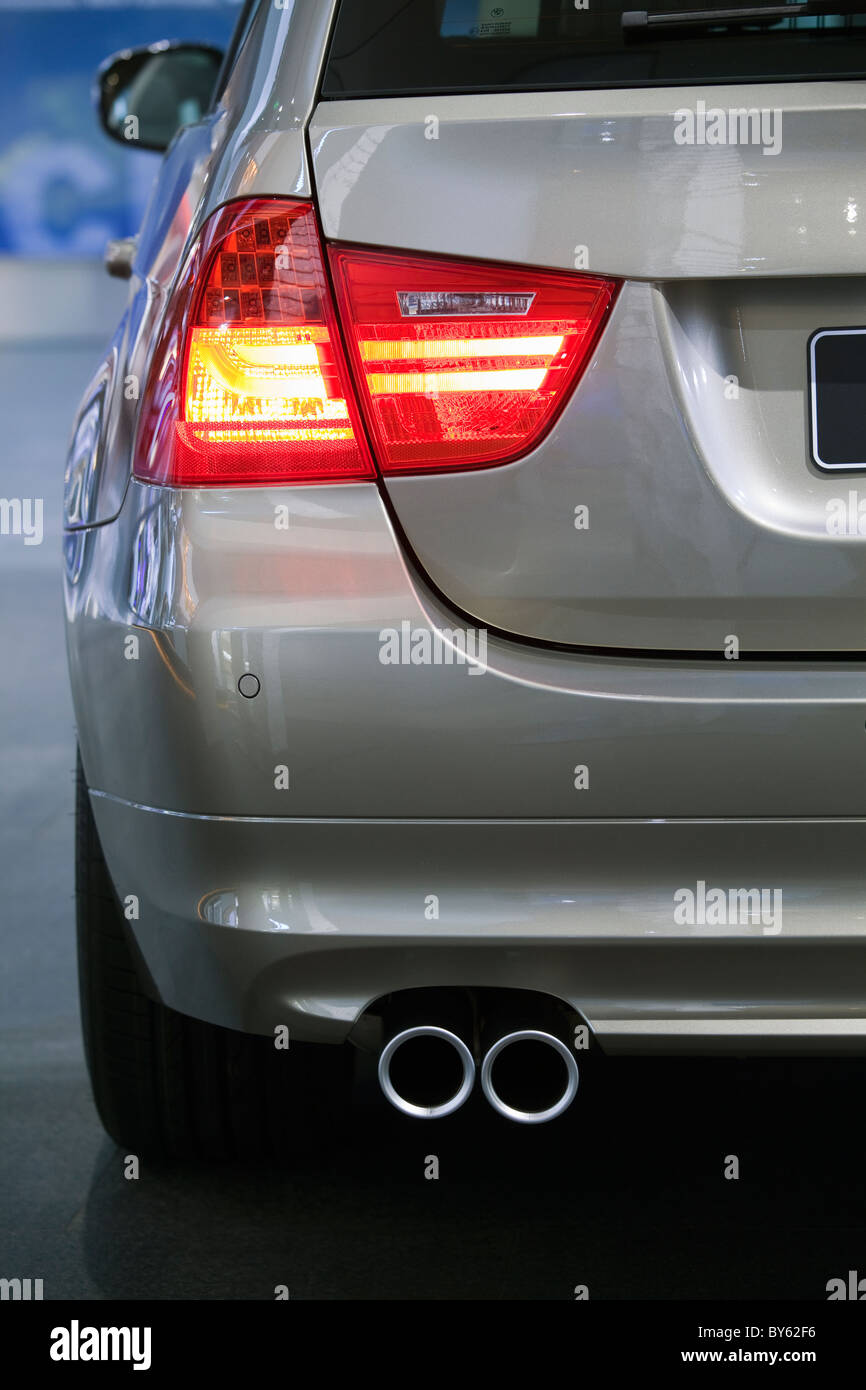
[(627, 1195)]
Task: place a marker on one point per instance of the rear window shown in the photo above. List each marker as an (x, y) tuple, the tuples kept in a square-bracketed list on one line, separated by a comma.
[(403, 47)]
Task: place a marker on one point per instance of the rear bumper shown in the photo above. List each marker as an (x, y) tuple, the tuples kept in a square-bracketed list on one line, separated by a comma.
[(361, 827), (256, 922)]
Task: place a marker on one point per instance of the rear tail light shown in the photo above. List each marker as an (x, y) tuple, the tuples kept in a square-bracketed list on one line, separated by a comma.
[(463, 365), (456, 364), (250, 384)]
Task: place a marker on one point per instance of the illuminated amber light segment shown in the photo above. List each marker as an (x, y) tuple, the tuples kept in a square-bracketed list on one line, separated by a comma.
[(236, 374), (264, 388)]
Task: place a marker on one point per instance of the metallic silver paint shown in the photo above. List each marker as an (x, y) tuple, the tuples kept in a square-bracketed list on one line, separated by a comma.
[(528, 176), (221, 591), (259, 905), (254, 922), (706, 515)]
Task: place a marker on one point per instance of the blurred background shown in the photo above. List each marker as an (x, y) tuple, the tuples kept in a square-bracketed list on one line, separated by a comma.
[(65, 188)]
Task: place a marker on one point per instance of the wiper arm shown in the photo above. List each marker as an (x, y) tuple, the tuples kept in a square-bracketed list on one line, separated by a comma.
[(638, 24)]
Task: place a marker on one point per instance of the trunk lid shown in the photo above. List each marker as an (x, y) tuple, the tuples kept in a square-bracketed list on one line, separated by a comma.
[(676, 506)]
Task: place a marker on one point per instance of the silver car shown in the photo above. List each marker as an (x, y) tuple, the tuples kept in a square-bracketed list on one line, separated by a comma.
[(465, 566)]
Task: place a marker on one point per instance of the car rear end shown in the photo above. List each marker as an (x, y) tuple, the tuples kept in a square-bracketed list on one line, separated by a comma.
[(478, 641)]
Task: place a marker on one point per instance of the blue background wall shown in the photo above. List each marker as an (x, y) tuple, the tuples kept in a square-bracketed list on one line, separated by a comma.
[(65, 188)]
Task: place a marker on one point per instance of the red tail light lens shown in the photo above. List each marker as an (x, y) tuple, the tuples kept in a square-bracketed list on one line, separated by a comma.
[(250, 384), (463, 365), (457, 364)]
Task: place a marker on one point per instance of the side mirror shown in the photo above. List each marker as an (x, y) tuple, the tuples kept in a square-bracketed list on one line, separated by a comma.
[(145, 95)]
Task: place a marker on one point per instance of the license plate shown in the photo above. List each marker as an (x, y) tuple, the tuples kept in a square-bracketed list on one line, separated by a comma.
[(837, 393)]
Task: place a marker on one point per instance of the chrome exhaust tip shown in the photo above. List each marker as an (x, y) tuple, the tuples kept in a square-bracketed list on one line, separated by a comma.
[(520, 1039), (403, 1101)]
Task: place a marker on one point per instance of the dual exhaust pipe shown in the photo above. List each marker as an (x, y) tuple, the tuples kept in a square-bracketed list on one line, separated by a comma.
[(528, 1075)]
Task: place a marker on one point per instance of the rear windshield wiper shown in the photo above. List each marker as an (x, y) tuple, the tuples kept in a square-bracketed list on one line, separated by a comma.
[(642, 24)]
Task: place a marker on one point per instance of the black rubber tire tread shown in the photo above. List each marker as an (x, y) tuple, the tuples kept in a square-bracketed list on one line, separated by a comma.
[(169, 1086)]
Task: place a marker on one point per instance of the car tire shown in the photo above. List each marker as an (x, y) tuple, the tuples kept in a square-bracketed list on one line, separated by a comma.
[(166, 1085)]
